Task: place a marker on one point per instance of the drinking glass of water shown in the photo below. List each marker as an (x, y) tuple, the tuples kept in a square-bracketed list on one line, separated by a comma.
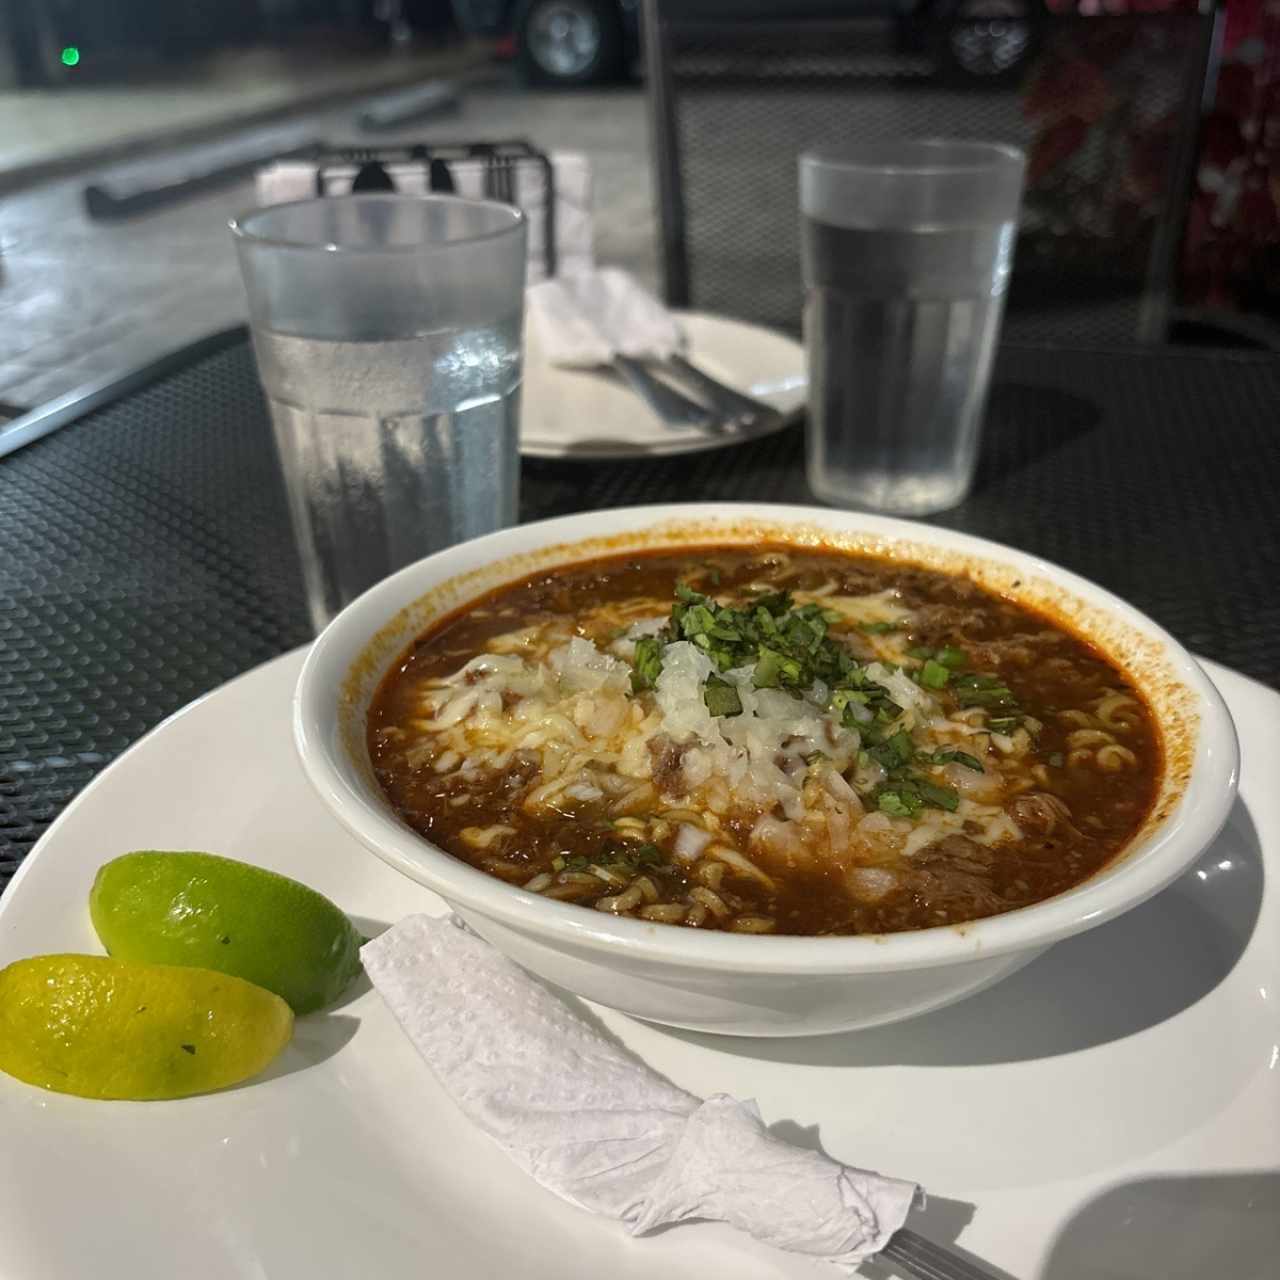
[(907, 248), (387, 331)]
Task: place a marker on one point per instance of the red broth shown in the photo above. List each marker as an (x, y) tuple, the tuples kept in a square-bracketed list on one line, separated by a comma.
[(812, 743)]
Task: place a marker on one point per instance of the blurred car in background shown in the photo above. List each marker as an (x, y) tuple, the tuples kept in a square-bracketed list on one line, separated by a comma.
[(570, 42), (563, 42)]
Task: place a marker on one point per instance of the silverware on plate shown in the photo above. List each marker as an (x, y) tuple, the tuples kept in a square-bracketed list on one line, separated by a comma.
[(737, 412), (590, 303), (675, 409), (923, 1260), (717, 409)]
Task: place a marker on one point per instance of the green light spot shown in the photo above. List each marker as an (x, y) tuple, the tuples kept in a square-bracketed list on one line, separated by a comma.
[(70, 56)]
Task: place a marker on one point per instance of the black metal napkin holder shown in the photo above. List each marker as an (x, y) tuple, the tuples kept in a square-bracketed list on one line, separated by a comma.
[(374, 170)]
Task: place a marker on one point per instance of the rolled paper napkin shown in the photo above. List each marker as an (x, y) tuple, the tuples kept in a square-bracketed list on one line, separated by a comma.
[(591, 1122), (583, 318)]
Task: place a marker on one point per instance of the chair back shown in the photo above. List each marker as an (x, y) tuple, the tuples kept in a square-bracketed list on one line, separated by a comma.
[(1107, 109)]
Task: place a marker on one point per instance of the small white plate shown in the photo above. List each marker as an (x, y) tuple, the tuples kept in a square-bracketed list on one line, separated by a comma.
[(587, 414), (1110, 1110)]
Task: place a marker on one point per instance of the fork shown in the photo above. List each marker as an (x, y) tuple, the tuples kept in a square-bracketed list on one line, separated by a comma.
[(737, 412), (720, 409), (924, 1260), (675, 409)]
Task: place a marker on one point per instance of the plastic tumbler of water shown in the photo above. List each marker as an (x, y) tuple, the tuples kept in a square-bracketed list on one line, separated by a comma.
[(387, 331), (907, 248)]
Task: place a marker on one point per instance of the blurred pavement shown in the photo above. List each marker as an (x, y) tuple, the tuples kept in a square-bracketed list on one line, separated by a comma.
[(81, 299)]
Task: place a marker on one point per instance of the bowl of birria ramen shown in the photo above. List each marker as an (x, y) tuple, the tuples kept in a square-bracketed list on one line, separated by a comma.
[(765, 770)]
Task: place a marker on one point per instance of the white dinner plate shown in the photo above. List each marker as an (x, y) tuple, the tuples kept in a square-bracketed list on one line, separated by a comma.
[(1111, 1111), (584, 413)]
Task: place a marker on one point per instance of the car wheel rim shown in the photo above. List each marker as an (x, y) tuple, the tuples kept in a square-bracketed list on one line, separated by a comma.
[(990, 36), (564, 38)]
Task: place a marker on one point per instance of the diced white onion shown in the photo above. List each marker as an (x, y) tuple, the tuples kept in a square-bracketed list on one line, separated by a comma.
[(690, 841), (871, 884)]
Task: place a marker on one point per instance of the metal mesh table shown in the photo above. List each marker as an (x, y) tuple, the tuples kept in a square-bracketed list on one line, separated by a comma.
[(146, 556)]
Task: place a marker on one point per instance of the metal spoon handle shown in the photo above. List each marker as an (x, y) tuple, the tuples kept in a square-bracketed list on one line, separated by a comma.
[(925, 1260), (741, 410), (675, 409)]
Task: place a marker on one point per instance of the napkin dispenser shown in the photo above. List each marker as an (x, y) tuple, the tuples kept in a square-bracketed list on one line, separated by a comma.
[(553, 189)]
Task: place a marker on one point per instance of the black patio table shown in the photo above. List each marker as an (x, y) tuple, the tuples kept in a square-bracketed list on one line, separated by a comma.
[(146, 555)]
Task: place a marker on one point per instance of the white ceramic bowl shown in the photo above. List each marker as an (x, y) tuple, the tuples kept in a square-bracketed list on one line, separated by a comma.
[(741, 984)]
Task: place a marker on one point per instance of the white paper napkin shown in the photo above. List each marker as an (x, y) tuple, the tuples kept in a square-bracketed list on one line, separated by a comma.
[(592, 1123), (583, 317)]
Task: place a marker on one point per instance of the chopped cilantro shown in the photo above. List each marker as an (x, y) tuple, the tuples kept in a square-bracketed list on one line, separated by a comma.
[(786, 646), (721, 697), (775, 670), (879, 628), (628, 860), (975, 690), (1004, 724), (774, 602), (948, 755), (895, 805), (979, 689), (906, 797), (933, 675), (647, 663), (938, 797), (872, 732), (894, 752), (951, 658), (841, 698), (696, 622), (805, 632), (847, 702), (855, 686)]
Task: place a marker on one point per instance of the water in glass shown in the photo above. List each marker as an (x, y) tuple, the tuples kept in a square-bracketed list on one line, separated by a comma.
[(901, 327), (392, 448)]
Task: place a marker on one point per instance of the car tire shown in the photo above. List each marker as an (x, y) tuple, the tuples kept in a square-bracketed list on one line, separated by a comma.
[(569, 42), (988, 43)]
